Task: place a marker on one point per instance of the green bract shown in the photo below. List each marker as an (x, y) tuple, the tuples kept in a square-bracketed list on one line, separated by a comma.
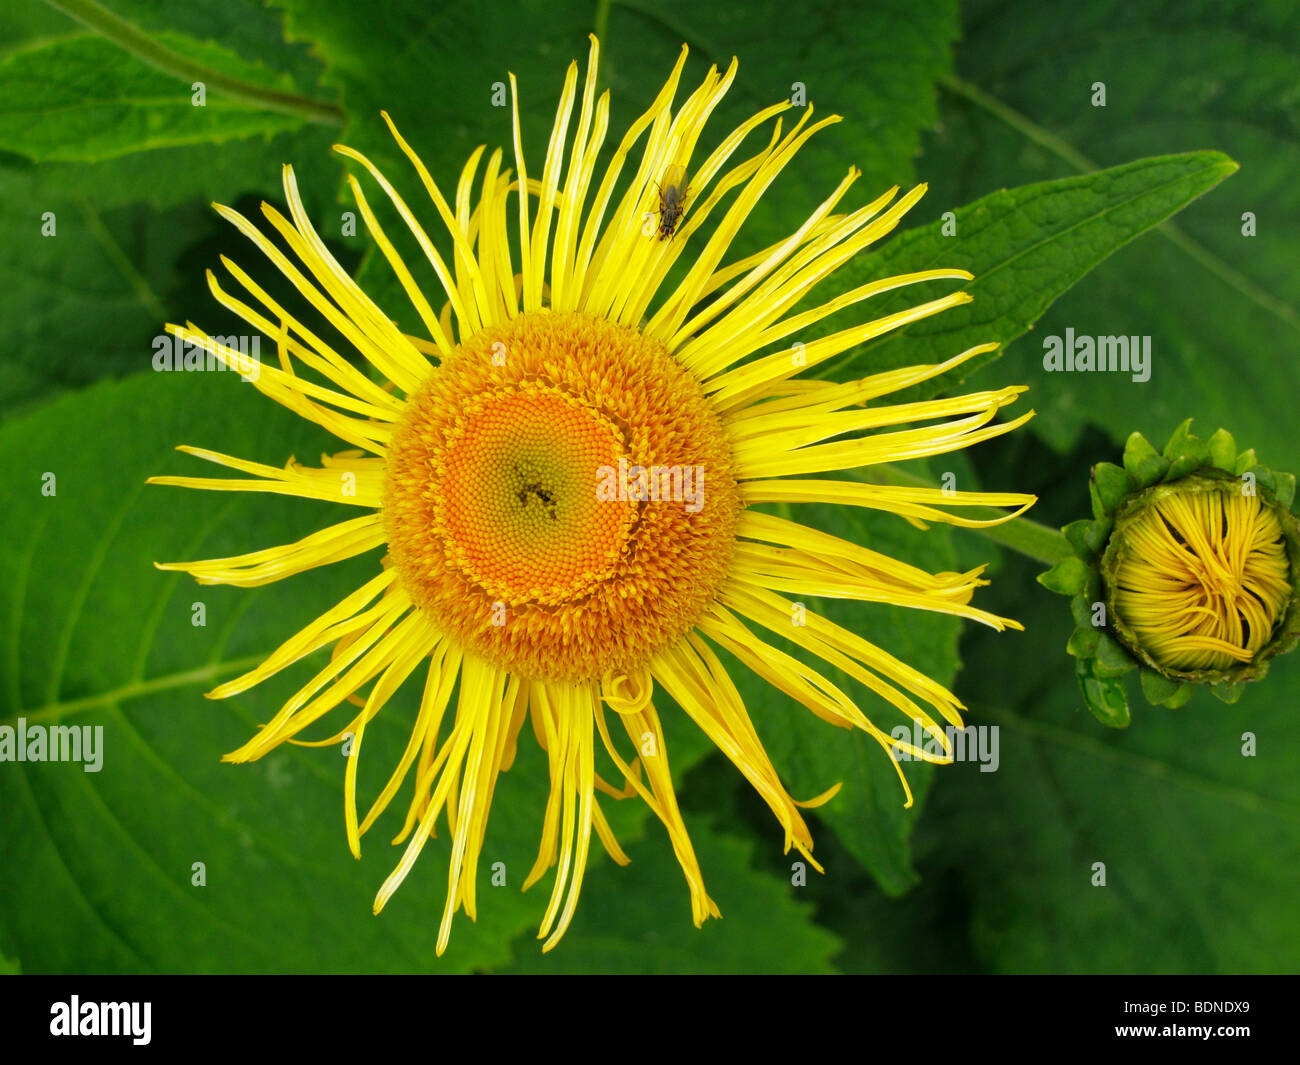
[(1102, 644)]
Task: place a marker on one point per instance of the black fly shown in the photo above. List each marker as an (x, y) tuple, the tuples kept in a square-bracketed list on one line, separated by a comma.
[(672, 200)]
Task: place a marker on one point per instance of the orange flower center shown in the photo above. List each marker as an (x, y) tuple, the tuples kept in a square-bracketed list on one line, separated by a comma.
[(560, 497)]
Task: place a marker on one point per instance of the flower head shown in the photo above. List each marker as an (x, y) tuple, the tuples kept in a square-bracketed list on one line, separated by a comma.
[(567, 473), (1200, 576), (1187, 570)]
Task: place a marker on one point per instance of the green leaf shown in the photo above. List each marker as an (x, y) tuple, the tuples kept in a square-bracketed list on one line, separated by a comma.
[(1067, 577), (51, 110), (165, 177), (832, 49), (76, 304), (251, 29), (623, 925), (86, 290), (443, 101), (1177, 77), (1026, 246), (23, 22)]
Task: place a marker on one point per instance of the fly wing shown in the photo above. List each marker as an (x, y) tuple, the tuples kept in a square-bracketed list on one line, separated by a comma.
[(674, 178)]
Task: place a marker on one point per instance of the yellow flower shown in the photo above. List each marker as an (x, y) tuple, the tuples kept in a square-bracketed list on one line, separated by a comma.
[(563, 474), (1202, 577)]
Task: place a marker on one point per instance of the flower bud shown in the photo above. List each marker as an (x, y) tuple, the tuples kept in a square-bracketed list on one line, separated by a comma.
[(1186, 572)]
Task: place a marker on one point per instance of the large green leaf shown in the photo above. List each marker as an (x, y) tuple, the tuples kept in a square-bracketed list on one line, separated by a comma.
[(622, 928), (86, 290), (165, 176), (85, 99), (1222, 307), (441, 64), (80, 289), (86, 299), (1026, 246), (28, 21), (251, 29)]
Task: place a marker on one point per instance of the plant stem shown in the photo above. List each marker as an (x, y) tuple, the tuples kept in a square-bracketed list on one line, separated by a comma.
[(146, 49)]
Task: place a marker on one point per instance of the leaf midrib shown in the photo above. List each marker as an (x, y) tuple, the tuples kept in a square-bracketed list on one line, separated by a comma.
[(136, 689)]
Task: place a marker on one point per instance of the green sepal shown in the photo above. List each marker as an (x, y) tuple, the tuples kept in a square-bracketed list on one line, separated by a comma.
[(1083, 643), (1094, 496), (1097, 533), (1285, 488), (1144, 462), (1264, 478), (1227, 693), (1157, 688), (1074, 534), (1177, 437), (1179, 697), (1112, 659), (1067, 577), (1105, 697), (1081, 609), (1190, 455), (1108, 487), (1223, 450), (1092, 589), (1244, 462)]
